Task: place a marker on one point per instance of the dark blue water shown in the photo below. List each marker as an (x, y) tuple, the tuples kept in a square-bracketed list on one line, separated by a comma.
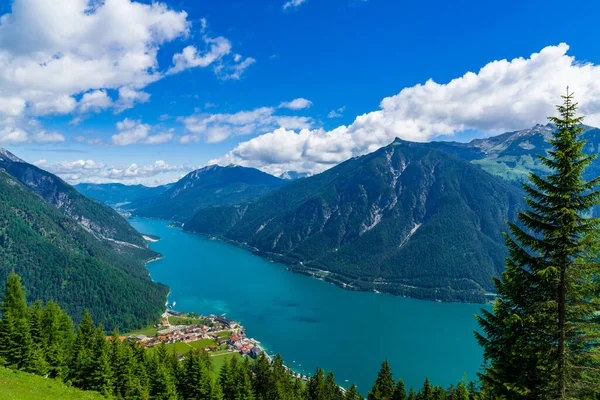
[(313, 323)]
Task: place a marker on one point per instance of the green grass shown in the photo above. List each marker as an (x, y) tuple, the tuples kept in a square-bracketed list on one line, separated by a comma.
[(200, 344), (173, 320), (219, 358), (224, 334), (149, 331), (17, 385)]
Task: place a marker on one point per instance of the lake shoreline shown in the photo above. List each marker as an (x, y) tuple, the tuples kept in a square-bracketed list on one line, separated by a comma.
[(310, 323), (337, 279)]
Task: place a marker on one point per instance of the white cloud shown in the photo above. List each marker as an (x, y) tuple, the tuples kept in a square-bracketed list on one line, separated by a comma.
[(130, 132), (87, 47), (296, 104), (216, 49), (135, 132), (293, 4), (502, 96), (48, 137), (76, 47), (190, 57), (10, 135), (47, 104), (94, 101), (213, 128), (128, 97), (92, 171), (339, 113), (160, 138), (234, 70)]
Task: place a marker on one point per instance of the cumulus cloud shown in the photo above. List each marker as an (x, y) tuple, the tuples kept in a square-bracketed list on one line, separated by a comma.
[(94, 101), (11, 135), (213, 128), (296, 104), (79, 171), (80, 45), (84, 48), (128, 97), (502, 96), (216, 48), (293, 4), (135, 132)]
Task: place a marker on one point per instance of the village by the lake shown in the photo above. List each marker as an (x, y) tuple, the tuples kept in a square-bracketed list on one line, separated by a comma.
[(181, 333)]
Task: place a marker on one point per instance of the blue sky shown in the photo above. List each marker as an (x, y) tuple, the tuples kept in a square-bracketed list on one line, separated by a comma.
[(119, 99)]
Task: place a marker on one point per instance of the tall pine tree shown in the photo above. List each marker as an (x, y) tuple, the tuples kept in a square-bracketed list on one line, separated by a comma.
[(540, 341)]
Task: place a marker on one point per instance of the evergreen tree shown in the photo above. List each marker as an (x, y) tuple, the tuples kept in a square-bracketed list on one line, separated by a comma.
[(399, 391), (82, 358), (244, 381), (461, 392), (227, 381), (197, 382), (332, 390), (101, 373), (384, 386), (17, 348), (262, 380), (57, 341), (353, 394), (412, 395), (541, 339), (315, 389), (426, 392), (162, 383)]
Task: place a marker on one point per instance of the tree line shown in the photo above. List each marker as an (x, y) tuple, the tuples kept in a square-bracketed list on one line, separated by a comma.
[(41, 339)]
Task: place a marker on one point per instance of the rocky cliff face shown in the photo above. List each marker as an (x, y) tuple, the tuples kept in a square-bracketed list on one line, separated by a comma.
[(98, 219), (406, 219)]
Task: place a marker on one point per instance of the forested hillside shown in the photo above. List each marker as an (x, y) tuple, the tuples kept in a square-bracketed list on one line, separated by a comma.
[(59, 260), (405, 219), (95, 217), (206, 187), (40, 340)]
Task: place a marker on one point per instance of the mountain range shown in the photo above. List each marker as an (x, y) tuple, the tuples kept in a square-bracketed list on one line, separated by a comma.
[(406, 219), (117, 194), (74, 250), (417, 219), (205, 187)]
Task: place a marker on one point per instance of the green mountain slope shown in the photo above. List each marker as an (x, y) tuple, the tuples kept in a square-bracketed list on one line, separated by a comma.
[(60, 260), (114, 194), (405, 219), (206, 187), (513, 155), (98, 219), (17, 385)]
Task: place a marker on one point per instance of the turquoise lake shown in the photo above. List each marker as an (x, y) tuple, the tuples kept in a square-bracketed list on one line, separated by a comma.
[(313, 323)]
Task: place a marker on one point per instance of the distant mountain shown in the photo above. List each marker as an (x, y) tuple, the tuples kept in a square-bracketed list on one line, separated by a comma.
[(293, 175), (206, 187), (98, 219), (406, 219), (60, 258), (114, 194), (513, 155)]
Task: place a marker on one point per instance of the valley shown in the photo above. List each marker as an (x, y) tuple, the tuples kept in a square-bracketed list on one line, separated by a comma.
[(311, 322)]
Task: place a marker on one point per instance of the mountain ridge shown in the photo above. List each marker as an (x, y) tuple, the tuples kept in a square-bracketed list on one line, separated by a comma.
[(205, 187), (95, 217), (370, 222)]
